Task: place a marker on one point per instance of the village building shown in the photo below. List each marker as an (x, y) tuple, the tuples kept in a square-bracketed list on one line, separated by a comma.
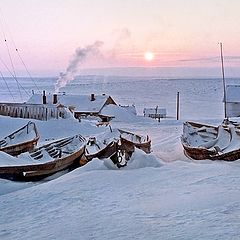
[(80, 105), (233, 100), (34, 111), (155, 112)]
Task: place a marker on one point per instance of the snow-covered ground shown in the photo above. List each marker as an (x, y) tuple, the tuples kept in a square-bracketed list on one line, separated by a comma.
[(163, 195)]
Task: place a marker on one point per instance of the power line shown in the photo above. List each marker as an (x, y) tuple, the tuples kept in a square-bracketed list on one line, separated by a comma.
[(13, 69), (34, 82), (17, 50), (7, 86), (13, 76), (10, 57)]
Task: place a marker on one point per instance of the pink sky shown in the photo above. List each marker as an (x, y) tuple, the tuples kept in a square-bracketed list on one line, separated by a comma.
[(179, 33)]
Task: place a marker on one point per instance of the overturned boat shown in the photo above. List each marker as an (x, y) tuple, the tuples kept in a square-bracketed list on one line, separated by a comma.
[(47, 160), (22, 140), (201, 141)]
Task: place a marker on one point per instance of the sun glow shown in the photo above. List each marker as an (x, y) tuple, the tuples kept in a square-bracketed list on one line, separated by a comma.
[(149, 56)]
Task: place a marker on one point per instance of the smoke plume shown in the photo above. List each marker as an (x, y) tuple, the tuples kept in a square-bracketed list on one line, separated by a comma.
[(79, 56)]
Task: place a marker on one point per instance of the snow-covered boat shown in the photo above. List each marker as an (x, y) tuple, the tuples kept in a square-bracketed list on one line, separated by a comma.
[(100, 149), (131, 140), (22, 140), (118, 146), (202, 141), (47, 159)]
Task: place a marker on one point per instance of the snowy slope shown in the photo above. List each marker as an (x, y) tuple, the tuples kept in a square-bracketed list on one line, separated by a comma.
[(94, 202)]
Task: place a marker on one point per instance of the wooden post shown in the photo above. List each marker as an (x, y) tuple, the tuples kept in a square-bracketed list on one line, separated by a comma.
[(46, 114), (177, 105)]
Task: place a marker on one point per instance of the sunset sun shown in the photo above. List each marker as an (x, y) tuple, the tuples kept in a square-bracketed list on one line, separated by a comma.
[(149, 56)]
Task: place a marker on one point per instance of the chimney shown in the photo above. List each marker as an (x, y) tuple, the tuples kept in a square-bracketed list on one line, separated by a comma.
[(44, 98), (55, 100), (92, 97)]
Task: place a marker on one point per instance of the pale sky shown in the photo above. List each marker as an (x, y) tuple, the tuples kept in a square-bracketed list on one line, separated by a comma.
[(180, 33)]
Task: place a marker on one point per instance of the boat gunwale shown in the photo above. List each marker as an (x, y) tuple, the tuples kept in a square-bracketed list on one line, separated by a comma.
[(21, 144)]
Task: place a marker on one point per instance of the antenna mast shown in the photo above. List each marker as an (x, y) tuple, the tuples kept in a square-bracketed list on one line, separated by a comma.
[(224, 83)]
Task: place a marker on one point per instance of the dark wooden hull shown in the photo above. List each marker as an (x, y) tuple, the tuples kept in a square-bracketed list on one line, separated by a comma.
[(38, 171), (201, 153), (197, 153), (144, 145), (105, 152), (204, 154), (229, 156), (22, 147), (17, 149)]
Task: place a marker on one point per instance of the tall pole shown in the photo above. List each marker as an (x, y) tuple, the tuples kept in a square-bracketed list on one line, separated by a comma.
[(177, 105), (224, 83)]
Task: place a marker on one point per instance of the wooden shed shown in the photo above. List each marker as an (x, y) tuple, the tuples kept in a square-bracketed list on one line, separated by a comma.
[(233, 100)]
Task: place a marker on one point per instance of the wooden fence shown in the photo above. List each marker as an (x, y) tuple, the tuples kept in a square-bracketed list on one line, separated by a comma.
[(32, 111)]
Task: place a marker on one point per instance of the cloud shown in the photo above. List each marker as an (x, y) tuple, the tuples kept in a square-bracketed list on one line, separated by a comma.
[(211, 59)]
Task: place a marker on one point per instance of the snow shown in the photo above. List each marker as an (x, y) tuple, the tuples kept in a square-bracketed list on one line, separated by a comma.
[(8, 160), (235, 141), (131, 108), (163, 195), (233, 93), (120, 114), (82, 103), (24, 135)]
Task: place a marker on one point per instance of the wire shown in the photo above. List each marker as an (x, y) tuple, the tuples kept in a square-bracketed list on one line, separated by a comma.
[(13, 69), (17, 50), (34, 82), (7, 86), (9, 55), (14, 76)]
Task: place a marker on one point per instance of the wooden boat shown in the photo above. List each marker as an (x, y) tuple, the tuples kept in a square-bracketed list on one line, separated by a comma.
[(202, 141), (113, 149), (22, 140), (97, 149), (48, 159), (119, 149), (130, 140)]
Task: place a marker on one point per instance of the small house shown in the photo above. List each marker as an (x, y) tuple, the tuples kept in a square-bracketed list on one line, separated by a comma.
[(79, 105), (233, 100), (155, 112)]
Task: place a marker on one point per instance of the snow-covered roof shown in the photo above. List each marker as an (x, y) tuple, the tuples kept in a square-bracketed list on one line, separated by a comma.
[(82, 103), (233, 93)]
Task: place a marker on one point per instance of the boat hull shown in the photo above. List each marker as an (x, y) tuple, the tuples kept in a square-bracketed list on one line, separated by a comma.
[(105, 152), (144, 145), (21, 147), (201, 153), (33, 172)]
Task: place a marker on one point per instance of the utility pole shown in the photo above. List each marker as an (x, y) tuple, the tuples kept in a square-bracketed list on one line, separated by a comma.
[(178, 105)]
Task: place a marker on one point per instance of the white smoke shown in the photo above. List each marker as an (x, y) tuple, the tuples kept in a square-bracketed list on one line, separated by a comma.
[(79, 56)]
